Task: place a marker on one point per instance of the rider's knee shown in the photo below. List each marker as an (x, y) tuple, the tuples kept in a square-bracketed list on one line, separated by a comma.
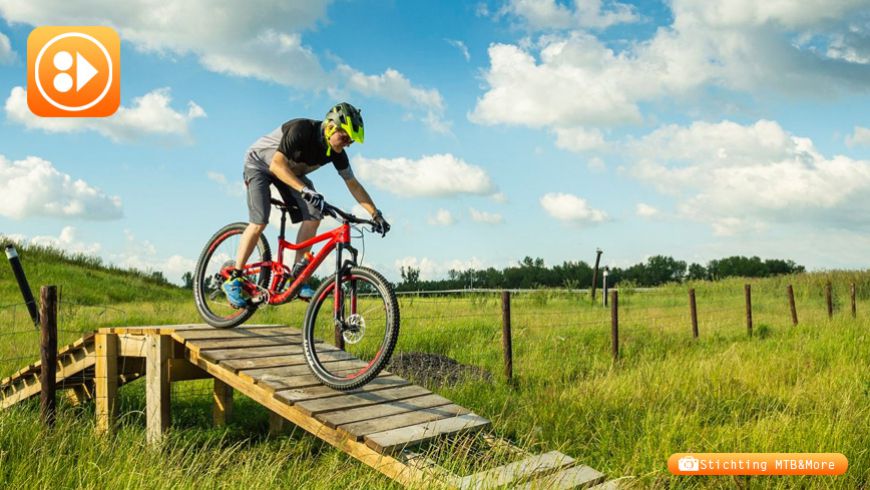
[(257, 227)]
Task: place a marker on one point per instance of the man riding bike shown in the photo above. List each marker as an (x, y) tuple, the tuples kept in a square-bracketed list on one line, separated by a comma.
[(283, 158)]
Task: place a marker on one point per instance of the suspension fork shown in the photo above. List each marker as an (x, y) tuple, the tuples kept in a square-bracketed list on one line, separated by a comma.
[(339, 317)]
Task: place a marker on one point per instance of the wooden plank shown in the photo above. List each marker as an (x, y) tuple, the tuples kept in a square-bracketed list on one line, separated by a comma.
[(334, 419), (202, 345), (219, 355), (106, 381), (298, 395), (516, 471), (392, 441), (300, 366), (575, 477), (158, 350), (220, 333), (170, 329), (361, 398), (359, 429)]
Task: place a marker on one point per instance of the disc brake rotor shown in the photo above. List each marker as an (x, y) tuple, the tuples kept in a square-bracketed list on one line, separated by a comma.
[(356, 329)]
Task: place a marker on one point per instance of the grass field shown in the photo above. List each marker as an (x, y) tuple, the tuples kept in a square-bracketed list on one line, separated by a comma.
[(785, 389)]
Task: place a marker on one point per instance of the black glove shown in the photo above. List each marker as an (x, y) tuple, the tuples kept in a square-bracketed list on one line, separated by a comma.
[(314, 198), (381, 226)]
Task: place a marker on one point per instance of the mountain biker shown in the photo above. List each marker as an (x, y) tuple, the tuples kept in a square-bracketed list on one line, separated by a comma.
[(283, 158)]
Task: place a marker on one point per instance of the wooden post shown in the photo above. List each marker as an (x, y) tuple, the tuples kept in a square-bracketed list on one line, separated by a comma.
[(829, 299), (48, 354), (748, 289), (222, 408), (276, 424), (794, 318), (854, 305), (507, 346), (595, 272), (693, 309), (106, 381), (157, 352), (614, 324)]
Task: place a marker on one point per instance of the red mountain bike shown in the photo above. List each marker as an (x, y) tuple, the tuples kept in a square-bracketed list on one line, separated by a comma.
[(352, 322)]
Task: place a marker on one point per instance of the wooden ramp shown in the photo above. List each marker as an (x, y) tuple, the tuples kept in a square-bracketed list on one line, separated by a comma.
[(380, 424)]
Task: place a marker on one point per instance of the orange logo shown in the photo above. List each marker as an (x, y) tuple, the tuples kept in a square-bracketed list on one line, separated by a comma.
[(73, 71)]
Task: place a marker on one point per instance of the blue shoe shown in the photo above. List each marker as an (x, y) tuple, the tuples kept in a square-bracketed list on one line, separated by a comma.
[(235, 291), (306, 292)]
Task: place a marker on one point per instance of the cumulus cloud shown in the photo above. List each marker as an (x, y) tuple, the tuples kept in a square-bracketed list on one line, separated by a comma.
[(485, 217), (234, 188), (6, 53), (150, 115), (68, 241), (570, 208), (579, 139), (34, 187), (645, 210), (742, 177), (860, 137), (263, 41), (396, 88), (576, 80), (461, 47), (588, 14), (442, 217), (143, 255), (441, 175), (436, 269)]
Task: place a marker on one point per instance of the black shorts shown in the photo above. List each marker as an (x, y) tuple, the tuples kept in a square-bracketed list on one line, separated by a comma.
[(259, 206)]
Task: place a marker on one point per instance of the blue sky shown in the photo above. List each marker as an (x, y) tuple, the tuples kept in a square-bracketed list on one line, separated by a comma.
[(494, 130)]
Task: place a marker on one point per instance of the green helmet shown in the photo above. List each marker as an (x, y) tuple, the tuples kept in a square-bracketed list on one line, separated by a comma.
[(348, 118)]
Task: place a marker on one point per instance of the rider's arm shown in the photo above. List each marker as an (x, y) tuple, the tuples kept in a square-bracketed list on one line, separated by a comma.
[(280, 166), (362, 197)]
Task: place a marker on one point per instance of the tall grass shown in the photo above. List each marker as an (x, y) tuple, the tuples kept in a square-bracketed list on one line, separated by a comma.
[(785, 389)]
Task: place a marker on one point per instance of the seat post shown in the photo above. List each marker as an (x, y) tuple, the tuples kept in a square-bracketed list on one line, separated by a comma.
[(283, 223)]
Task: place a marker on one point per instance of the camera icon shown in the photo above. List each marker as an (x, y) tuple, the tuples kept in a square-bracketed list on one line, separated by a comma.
[(688, 463)]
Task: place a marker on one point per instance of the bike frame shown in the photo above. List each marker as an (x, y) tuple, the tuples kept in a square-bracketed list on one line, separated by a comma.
[(337, 239)]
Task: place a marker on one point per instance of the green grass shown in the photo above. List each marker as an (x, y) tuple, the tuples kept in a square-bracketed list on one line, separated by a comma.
[(785, 389)]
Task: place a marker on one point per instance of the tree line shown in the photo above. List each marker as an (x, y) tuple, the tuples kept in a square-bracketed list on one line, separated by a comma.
[(532, 273)]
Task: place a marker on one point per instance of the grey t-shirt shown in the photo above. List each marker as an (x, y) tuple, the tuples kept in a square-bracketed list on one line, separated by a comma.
[(302, 142)]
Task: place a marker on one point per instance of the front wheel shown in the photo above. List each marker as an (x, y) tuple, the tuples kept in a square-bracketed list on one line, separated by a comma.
[(349, 338)]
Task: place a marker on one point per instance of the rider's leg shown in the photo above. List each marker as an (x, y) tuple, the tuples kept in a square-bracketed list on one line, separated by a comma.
[(307, 230), (248, 242)]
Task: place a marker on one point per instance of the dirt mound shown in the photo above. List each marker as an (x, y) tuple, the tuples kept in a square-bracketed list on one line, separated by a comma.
[(434, 369)]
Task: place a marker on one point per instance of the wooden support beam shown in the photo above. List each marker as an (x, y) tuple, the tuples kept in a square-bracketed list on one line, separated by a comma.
[(106, 381), (222, 410), (277, 424), (158, 349)]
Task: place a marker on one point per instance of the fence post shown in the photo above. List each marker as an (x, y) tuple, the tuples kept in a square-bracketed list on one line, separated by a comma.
[(18, 272), (506, 335), (852, 294), (829, 299), (748, 289), (614, 324), (48, 354), (595, 273), (794, 318), (693, 308)]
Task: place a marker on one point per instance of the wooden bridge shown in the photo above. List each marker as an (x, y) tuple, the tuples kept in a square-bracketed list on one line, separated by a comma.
[(380, 424)]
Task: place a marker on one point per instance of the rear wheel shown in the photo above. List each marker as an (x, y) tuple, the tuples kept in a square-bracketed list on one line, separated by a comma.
[(220, 252), (347, 350)]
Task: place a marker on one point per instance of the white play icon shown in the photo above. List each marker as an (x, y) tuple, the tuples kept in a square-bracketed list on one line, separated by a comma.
[(84, 71)]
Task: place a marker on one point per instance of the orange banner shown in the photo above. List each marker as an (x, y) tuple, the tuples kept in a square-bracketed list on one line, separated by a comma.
[(757, 464)]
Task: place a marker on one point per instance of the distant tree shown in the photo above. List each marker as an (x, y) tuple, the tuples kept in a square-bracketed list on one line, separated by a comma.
[(696, 272), (410, 278), (187, 279)]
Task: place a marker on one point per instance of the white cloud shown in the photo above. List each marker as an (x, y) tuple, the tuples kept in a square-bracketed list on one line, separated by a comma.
[(231, 188), (262, 40), (547, 14), (6, 53), (499, 197), (646, 211), (434, 269), (740, 178), (442, 217), (579, 139), (461, 47), (570, 208), (68, 241), (596, 164), (485, 217), (34, 187), (394, 87), (439, 175), (860, 137), (150, 115), (575, 80), (143, 255)]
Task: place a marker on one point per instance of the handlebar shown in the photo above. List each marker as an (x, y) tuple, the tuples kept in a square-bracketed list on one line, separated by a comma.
[(335, 212)]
